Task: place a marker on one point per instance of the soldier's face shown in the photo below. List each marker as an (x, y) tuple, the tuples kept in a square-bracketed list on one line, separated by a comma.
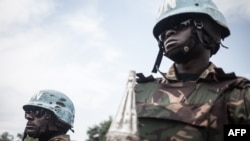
[(177, 35), (176, 39), (36, 121)]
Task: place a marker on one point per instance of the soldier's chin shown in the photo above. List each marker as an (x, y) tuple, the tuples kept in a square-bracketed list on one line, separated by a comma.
[(177, 55), (32, 133)]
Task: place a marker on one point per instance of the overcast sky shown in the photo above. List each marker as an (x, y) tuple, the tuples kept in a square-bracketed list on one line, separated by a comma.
[(86, 48)]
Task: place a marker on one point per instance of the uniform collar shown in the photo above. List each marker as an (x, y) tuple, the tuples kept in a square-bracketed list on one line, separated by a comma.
[(210, 70)]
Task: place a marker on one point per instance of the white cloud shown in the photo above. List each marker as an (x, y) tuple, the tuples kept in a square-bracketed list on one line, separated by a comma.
[(84, 24), (234, 10), (71, 53), (22, 12)]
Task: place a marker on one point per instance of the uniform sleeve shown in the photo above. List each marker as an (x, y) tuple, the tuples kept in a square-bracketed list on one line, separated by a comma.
[(238, 104)]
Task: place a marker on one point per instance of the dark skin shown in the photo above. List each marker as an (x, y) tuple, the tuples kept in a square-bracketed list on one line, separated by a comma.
[(43, 127), (199, 57), (34, 124)]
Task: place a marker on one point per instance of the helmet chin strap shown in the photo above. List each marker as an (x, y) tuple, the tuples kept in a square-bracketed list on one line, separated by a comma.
[(24, 135), (179, 53), (200, 30), (214, 48), (159, 57)]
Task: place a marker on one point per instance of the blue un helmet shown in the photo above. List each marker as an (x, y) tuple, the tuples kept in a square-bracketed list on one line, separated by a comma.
[(179, 9), (56, 102)]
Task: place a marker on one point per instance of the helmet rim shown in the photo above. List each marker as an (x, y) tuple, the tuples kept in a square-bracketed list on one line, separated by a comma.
[(183, 9), (67, 111)]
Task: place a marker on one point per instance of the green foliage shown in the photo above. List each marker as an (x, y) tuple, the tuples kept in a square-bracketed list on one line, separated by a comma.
[(98, 132), (5, 136)]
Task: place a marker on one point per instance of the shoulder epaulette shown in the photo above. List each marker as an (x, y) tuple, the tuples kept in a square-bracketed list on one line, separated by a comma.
[(142, 79), (221, 75)]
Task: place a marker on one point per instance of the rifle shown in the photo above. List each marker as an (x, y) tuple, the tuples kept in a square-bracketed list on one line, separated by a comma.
[(124, 126)]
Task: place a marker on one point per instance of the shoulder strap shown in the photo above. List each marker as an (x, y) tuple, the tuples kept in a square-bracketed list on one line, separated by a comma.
[(142, 79)]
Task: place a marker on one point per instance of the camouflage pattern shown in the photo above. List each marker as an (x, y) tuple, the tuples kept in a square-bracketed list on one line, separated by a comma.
[(172, 110), (61, 138)]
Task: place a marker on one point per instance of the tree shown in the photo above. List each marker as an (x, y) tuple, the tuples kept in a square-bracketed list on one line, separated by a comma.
[(5, 136), (98, 132), (20, 136)]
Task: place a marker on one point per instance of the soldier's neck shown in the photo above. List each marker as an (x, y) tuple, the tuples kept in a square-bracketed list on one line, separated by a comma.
[(192, 67)]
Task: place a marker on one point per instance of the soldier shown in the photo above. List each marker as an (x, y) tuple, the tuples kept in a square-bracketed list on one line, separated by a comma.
[(195, 98), (50, 115)]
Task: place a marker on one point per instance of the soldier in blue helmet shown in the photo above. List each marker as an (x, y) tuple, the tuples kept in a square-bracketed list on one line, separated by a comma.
[(195, 98), (50, 114)]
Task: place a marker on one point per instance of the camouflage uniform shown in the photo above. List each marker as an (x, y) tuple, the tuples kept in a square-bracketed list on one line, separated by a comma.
[(174, 110)]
